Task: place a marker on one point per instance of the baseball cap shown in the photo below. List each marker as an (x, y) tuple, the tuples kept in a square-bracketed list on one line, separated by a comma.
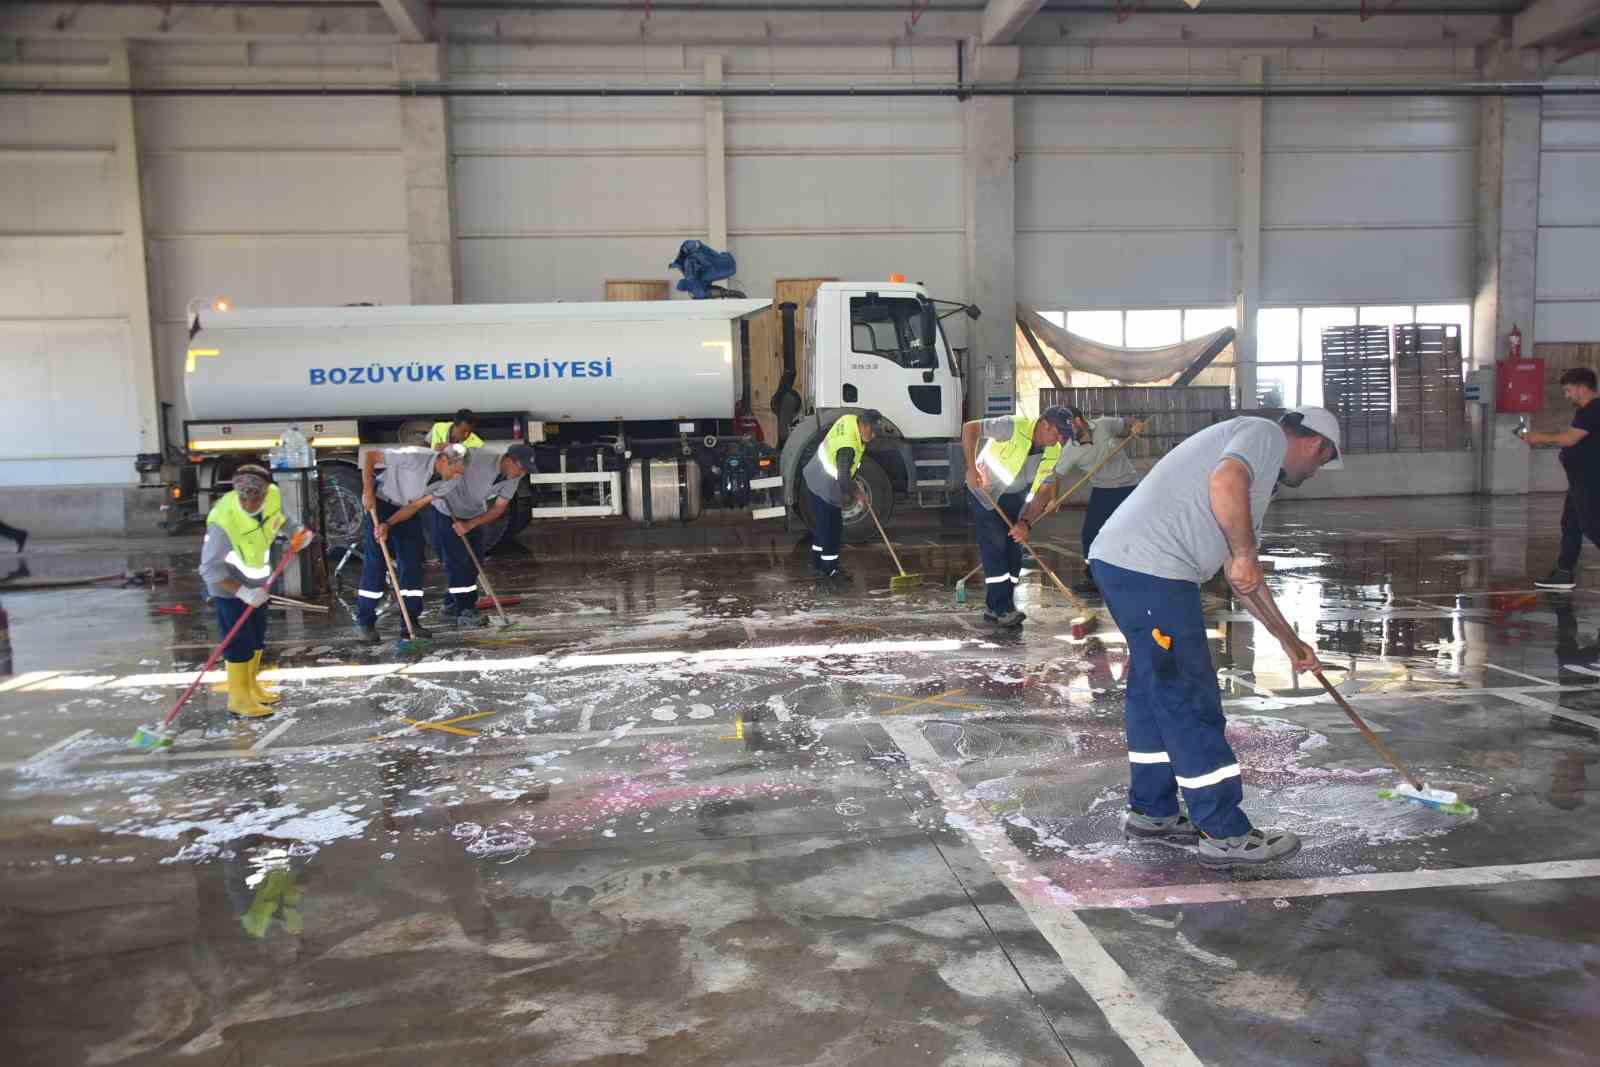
[(1061, 416), (522, 455), (1320, 420)]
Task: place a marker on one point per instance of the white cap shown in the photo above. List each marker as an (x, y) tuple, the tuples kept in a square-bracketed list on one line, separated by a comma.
[(1322, 421)]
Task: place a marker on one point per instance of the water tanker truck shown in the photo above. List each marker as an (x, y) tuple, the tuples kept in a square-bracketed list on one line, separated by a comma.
[(640, 410)]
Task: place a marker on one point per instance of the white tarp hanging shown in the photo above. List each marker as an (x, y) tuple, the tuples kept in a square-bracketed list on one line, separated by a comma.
[(1112, 361)]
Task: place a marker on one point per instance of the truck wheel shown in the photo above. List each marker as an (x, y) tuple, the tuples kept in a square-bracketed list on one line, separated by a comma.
[(872, 481), (341, 504)]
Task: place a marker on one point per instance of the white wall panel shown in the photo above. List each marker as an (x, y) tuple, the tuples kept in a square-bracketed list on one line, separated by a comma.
[(580, 194), (1368, 189), (1082, 124), (1366, 266), (1574, 321), (529, 270), (844, 192), (61, 277), (62, 191), (56, 121), (269, 192), (1568, 285), (172, 123), (935, 259), (1102, 270), (1410, 123), (1135, 189), (1569, 263), (75, 403)]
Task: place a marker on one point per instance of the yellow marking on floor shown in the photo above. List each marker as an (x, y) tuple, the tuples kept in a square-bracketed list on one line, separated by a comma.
[(937, 700), (738, 730)]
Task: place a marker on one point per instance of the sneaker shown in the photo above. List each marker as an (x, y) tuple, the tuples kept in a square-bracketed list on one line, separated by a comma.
[(838, 574), (1010, 620), (990, 617), (470, 619), (367, 633), (1557, 579), (1247, 850), (1175, 830)]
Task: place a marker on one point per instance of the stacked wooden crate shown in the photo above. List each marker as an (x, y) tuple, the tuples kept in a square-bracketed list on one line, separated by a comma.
[(1357, 386), (638, 289), (766, 348), (1430, 411), (1175, 412)]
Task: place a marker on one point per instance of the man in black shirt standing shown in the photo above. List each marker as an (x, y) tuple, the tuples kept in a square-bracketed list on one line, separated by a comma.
[(1580, 456)]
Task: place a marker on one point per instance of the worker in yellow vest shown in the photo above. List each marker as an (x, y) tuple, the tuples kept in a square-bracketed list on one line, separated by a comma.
[(235, 563), (1009, 457), (830, 477), (459, 432)]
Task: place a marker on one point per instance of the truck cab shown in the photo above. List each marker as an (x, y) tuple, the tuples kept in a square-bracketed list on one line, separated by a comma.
[(879, 345)]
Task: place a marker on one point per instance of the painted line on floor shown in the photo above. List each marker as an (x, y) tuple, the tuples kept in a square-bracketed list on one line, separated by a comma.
[(1519, 674), (1135, 898), (22, 681), (1591, 672), (1556, 710), (59, 745), (272, 735), (1145, 1031), (585, 718)]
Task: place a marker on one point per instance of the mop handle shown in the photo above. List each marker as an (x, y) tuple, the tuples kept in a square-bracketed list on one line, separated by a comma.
[(484, 578), (399, 598), (1061, 498), (1076, 606), (892, 553), (1383, 750), (216, 652)]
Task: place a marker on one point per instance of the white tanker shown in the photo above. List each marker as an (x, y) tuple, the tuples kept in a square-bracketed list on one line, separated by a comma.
[(640, 409)]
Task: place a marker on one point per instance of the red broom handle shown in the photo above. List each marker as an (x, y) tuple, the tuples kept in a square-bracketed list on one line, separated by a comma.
[(215, 652)]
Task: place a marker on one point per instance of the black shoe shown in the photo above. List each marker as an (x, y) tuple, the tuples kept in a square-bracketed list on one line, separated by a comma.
[(22, 539), (417, 630), (1557, 579), (367, 633), (838, 574), (470, 619), (1011, 620)]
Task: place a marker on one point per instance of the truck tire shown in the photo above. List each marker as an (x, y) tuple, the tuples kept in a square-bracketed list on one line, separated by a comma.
[(873, 482), (341, 504)]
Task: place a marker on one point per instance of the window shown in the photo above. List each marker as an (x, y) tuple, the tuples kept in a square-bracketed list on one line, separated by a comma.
[(1289, 343), (1197, 322), (1153, 329), (892, 328), (1451, 314), (1102, 326)]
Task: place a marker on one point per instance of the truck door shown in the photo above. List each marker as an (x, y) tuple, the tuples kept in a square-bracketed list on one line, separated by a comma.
[(892, 361)]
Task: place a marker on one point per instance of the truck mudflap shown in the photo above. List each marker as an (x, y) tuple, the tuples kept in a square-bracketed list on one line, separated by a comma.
[(770, 503)]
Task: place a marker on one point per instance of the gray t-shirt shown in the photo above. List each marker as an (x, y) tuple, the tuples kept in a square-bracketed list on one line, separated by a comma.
[(1117, 474), (481, 482), (1166, 527), (408, 474), (1000, 429)]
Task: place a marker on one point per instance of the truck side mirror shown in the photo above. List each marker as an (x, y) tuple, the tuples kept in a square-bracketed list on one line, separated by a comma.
[(973, 311)]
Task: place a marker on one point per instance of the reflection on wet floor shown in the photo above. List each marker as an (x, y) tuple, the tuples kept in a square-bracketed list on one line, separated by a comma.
[(692, 790)]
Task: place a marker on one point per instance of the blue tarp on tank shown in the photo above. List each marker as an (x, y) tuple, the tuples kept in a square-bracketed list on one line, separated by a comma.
[(701, 265)]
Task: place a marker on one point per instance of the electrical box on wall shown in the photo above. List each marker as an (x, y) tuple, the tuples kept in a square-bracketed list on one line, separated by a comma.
[(1480, 385), (1519, 386)]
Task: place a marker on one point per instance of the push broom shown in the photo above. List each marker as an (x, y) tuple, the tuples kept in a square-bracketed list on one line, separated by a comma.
[(1412, 789), (903, 580), (410, 642), (150, 737), (504, 621)]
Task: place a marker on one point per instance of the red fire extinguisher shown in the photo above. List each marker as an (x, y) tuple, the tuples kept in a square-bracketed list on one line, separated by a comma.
[(1515, 339)]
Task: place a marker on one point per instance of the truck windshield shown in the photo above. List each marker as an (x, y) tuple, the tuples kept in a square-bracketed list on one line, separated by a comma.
[(893, 328)]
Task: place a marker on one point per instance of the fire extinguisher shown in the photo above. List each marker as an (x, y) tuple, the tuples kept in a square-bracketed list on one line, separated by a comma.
[(1515, 339)]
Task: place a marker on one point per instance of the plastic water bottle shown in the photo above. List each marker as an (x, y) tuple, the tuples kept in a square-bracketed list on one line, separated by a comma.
[(296, 449)]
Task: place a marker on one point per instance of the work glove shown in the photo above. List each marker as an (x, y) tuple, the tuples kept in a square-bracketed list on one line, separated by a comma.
[(254, 595)]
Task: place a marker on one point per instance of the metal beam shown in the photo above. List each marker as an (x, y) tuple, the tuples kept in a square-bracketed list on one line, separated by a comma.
[(1003, 19), (411, 19), (1549, 21)]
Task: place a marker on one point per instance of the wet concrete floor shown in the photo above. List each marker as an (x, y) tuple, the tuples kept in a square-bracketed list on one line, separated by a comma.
[(709, 812)]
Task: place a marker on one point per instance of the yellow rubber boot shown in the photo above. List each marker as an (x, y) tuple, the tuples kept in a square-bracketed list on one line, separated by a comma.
[(263, 694), (242, 695)]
